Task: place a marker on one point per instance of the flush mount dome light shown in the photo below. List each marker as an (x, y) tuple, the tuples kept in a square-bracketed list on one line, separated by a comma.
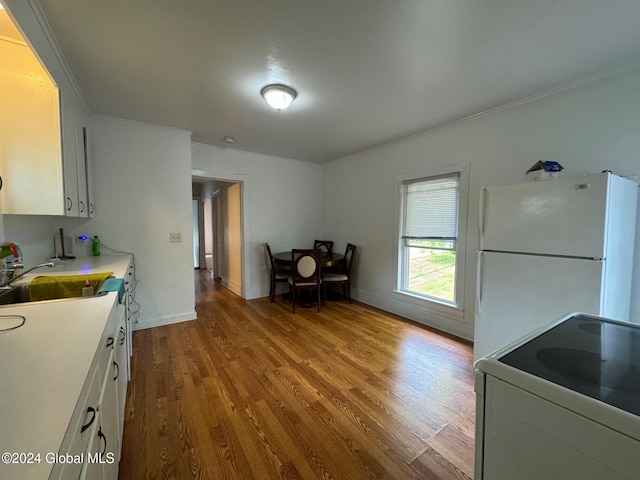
[(278, 96)]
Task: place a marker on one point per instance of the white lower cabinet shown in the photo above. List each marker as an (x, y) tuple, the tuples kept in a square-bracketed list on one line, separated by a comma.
[(95, 431), (107, 438), (81, 431), (121, 379)]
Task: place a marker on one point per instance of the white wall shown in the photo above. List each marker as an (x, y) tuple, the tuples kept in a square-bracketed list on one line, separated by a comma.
[(143, 193), (35, 235), (283, 203), (587, 129)]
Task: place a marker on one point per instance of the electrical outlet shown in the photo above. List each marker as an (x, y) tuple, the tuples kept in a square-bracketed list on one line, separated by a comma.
[(175, 237)]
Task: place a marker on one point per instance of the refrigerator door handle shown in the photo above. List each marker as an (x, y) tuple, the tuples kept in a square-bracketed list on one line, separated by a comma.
[(481, 216), (479, 278)]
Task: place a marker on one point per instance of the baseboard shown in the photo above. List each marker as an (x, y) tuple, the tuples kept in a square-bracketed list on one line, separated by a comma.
[(423, 316), (168, 320), (264, 291), (420, 315), (235, 287)]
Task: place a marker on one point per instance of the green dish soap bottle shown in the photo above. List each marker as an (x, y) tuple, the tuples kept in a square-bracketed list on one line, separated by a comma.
[(95, 241)]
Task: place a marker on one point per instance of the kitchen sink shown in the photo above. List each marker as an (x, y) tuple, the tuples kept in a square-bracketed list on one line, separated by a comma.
[(20, 294), (59, 288)]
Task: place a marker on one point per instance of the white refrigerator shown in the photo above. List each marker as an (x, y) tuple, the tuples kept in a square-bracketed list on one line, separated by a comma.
[(549, 248)]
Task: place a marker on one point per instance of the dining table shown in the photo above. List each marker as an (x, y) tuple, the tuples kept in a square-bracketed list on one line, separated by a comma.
[(326, 259)]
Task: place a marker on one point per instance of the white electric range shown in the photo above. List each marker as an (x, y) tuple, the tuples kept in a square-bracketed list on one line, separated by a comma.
[(561, 403)]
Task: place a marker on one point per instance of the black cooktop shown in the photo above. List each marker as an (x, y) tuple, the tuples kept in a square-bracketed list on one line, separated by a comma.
[(592, 356)]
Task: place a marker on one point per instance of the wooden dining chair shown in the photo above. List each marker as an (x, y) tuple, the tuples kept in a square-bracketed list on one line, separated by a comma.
[(305, 273), (276, 274), (326, 246), (343, 277)]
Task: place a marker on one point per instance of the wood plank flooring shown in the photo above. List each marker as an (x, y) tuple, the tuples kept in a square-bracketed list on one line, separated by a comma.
[(252, 391)]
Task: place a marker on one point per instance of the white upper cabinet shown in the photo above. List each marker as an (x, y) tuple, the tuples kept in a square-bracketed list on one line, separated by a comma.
[(74, 155), (43, 125), (30, 150)]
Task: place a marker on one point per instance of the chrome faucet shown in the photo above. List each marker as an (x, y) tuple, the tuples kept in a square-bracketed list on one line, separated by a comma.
[(16, 266)]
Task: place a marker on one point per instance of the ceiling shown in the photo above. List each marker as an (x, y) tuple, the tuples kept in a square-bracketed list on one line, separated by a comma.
[(367, 72)]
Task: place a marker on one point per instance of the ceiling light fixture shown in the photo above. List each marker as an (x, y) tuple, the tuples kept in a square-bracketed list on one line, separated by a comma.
[(278, 96)]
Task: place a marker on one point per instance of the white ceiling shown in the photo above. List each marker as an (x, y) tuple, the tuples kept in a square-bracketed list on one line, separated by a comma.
[(367, 71)]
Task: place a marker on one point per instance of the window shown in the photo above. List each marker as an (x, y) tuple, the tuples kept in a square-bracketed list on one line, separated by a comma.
[(429, 256)]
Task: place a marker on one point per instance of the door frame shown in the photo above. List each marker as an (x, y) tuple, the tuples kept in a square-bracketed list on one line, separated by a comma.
[(245, 251)]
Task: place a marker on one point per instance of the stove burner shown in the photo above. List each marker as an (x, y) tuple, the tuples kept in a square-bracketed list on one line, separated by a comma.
[(591, 368)]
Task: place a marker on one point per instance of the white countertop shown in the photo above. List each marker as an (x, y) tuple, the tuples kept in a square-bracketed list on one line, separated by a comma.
[(44, 364)]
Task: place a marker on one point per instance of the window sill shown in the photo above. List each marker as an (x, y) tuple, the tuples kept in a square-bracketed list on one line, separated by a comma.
[(432, 304)]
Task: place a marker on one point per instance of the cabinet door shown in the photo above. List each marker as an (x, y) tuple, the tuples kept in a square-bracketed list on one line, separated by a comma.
[(30, 152), (82, 428), (69, 156), (81, 168), (92, 470), (87, 175), (74, 152), (122, 380), (110, 438)]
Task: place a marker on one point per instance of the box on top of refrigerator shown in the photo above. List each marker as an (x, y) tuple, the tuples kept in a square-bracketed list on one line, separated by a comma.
[(545, 170)]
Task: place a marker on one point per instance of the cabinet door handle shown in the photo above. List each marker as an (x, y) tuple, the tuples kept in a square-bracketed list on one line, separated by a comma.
[(81, 206), (102, 437), (69, 204), (115, 364), (91, 208), (92, 411), (0, 183), (124, 335), (109, 342)]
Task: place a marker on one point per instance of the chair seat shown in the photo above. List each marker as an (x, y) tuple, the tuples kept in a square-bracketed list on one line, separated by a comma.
[(334, 277), (282, 276), (303, 284)]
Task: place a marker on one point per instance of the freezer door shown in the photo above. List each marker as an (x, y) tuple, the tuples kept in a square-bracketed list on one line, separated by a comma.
[(565, 216), (517, 294)]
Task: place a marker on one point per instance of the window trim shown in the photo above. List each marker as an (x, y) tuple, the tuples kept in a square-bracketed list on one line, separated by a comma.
[(462, 170)]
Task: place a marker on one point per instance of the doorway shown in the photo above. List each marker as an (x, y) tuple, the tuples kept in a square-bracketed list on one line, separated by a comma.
[(220, 239)]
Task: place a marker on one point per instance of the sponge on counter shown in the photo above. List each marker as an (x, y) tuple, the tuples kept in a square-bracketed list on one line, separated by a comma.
[(114, 285), (51, 287)]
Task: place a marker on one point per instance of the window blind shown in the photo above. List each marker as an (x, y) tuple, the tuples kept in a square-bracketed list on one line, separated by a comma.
[(431, 209)]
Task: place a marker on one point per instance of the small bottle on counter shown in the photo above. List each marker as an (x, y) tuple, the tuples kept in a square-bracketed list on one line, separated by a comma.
[(95, 246), (87, 290)]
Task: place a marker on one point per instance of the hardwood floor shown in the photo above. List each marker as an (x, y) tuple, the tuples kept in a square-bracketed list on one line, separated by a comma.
[(252, 391)]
